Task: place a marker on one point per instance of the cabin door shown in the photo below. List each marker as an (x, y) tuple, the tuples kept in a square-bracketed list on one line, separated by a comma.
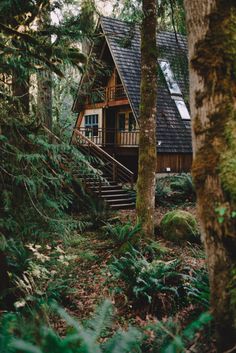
[(110, 123)]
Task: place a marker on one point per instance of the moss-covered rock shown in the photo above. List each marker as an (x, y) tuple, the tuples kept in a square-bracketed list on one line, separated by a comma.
[(179, 226)]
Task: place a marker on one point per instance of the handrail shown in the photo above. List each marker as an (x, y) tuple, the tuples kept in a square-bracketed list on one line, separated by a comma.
[(127, 173), (111, 136)]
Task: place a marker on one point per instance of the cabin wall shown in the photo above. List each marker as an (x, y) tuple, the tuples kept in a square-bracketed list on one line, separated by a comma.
[(166, 162), (174, 162)]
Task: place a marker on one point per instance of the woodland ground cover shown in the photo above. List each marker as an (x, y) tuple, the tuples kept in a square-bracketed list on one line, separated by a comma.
[(157, 287)]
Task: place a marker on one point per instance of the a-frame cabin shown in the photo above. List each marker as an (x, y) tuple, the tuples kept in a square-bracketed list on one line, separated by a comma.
[(108, 101)]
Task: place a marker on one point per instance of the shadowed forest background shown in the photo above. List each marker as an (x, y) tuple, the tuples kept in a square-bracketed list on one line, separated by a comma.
[(77, 276)]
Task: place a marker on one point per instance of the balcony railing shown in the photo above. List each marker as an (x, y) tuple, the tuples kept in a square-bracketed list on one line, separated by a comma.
[(111, 137), (106, 94)]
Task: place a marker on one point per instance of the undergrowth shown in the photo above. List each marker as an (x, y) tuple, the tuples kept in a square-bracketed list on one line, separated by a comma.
[(175, 190)]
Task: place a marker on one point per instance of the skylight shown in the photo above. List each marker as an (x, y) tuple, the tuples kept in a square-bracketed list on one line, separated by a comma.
[(174, 89), (169, 77), (181, 106)]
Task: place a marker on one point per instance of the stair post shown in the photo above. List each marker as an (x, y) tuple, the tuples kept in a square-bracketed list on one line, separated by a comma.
[(100, 188), (114, 171), (132, 182)]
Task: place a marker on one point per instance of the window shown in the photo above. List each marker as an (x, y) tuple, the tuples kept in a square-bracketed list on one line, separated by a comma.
[(121, 121), (183, 111), (132, 122), (174, 89), (169, 77), (91, 125)]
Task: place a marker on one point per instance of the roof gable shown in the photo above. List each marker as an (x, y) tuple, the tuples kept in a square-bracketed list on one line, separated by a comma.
[(173, 133)]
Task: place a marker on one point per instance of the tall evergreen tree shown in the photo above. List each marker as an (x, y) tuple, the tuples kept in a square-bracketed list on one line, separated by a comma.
[(44, 77), (147, 146), (212, 50)]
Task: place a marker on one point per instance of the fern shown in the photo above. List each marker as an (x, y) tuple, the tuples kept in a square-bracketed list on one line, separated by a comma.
[(197, 287), (122, 233), (78, 339), (146, 279), (170, 337)]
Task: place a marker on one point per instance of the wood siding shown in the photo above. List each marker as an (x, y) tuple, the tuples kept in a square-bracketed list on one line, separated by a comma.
[(177, 162)]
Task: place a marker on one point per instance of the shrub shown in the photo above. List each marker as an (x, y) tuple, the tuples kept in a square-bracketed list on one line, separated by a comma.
[(146, 279), (88, 338), (171, 337), (122, 233), (163, 191), (179, 226), (175, 189), (183, 185), (197, 287)]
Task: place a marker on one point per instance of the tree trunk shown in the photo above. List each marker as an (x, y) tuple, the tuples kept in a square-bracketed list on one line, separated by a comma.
[(20, 90), (44, 78), (212, 51), (145, 204)]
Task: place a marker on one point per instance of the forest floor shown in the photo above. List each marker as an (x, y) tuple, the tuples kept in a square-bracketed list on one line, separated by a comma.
[(93, 281)]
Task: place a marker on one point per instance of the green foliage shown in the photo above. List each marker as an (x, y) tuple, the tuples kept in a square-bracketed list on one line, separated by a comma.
[(37, 184), (162, 191), (175, 190), (196, 285), (179, 226), (39, 190), (144, 279), (122, 233), (169, 337), (171, 14), (25, 47), (87, 338), (183, 184)]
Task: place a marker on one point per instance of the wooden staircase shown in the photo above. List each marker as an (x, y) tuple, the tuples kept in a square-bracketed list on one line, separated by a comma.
[(114, 175)]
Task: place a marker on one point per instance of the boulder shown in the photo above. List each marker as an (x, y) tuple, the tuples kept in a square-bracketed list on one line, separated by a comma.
[(179, 226)]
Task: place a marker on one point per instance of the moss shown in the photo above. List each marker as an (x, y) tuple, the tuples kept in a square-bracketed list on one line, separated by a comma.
[(179, 226)]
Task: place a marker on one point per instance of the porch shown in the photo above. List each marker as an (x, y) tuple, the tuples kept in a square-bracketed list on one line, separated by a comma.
[(111, 137)]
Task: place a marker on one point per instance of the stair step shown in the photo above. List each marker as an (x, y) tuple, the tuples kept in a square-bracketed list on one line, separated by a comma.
[(123, 206), (114, 195), (120, 201), (105, 187), (112, 191)]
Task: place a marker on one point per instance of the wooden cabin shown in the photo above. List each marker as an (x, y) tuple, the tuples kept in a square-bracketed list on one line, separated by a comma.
[(108, 99)]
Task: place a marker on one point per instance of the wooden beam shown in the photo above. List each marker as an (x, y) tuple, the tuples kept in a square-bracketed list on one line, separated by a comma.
[(114, 103)]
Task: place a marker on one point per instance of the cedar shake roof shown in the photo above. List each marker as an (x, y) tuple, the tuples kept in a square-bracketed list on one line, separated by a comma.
[(173, 133)]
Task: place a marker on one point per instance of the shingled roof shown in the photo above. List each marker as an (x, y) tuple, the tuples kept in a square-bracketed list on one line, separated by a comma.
[(173, 133)]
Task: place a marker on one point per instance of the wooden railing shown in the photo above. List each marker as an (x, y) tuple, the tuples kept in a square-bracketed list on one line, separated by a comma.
[(110, 166), (106, 94), (111, 137)]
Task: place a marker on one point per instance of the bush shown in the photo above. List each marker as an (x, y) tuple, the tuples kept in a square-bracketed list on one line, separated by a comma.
[(197, 287), (16, 337), (122, 233), (144, 279), (175, 190), (179, 226), (183, 185), (170, 337)]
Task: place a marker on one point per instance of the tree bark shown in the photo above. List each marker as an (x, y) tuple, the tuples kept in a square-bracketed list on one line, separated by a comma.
[(44, 78), (145, 204), (212, 52), (20, 90)]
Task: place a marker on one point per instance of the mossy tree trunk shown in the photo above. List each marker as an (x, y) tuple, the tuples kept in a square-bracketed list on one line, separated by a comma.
[(20, 90), (44, 78), (212, 50), (145, 204)]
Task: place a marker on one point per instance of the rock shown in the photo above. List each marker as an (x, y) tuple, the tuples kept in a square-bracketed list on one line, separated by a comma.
[(179, 226)]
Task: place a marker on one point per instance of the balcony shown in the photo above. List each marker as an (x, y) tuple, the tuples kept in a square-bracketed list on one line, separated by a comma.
[(106, 95), (111, 137)]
